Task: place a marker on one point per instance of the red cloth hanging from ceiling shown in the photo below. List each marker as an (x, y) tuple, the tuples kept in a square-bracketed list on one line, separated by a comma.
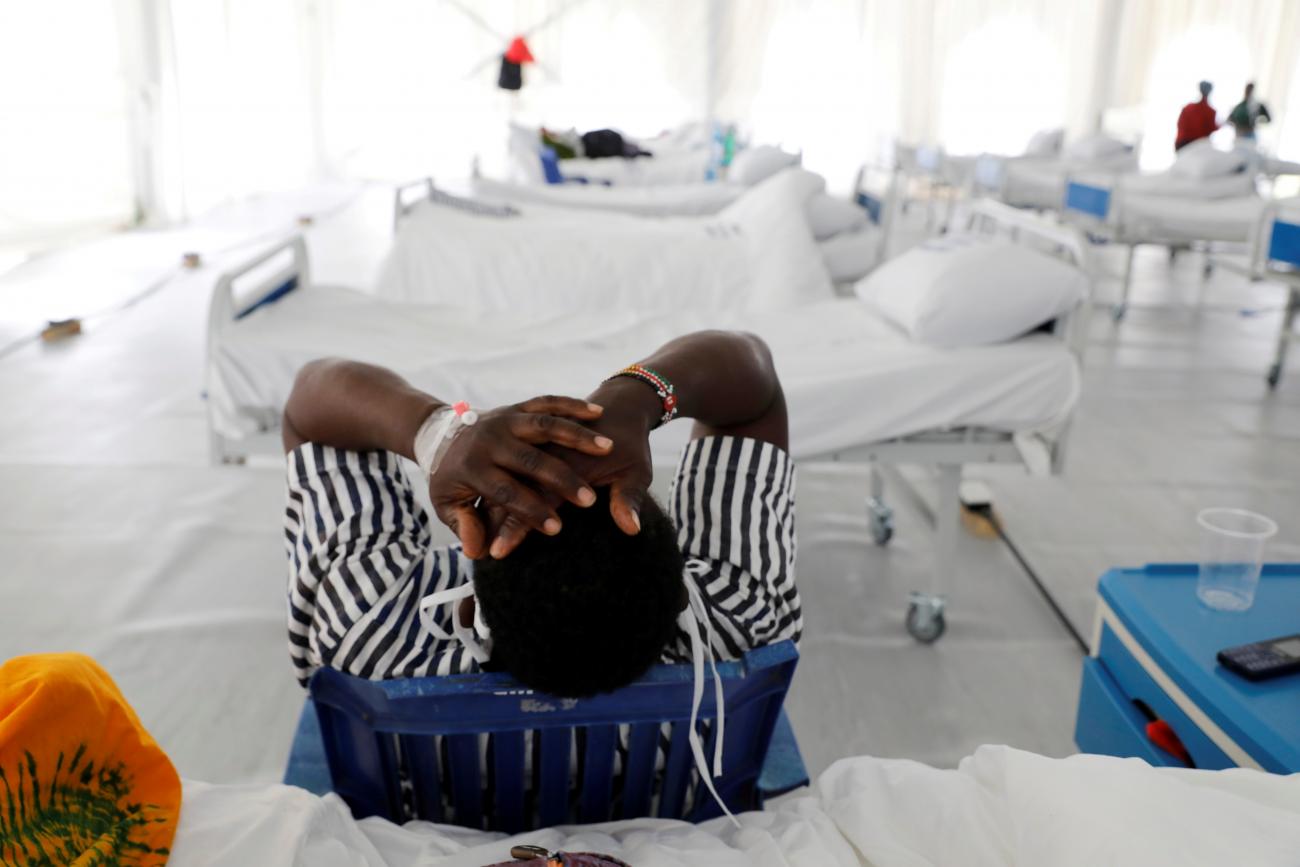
[(518, 51)]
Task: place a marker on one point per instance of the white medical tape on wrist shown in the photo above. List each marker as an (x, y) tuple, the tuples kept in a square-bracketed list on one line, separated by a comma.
[(438, 432)]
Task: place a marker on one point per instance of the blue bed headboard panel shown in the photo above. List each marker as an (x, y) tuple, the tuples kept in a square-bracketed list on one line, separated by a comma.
[(271, 297), (1284, 243), (1087, 199), (872, 205)]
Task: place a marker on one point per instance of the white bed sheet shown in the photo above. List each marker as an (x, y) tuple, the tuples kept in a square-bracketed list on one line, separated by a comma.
[(665, 167), (757, 254), (999, 808), (665, 200), (850, 378), (1170, 218)]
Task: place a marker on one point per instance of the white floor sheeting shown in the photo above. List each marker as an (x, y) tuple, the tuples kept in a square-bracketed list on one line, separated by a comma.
[(118, 539)]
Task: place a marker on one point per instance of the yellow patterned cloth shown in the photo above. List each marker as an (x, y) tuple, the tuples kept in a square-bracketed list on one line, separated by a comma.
[(81, 782)]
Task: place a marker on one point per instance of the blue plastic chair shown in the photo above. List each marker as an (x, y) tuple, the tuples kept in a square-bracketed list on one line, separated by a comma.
[(455, 749)]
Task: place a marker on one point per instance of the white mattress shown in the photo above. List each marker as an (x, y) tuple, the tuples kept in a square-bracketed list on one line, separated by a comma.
[(850, 378), (1172, 185), (999, 808), (1169, 218), (665, 200), (757, 254)]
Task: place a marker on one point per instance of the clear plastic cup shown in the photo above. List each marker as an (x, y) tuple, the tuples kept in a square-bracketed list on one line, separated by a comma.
[(1232, 553)]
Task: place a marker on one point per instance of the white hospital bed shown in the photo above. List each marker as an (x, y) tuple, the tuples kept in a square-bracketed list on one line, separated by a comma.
[(756, 254), (857, 388), (1115, 212)]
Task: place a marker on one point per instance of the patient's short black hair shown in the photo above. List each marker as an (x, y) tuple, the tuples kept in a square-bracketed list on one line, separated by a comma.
[(589, 609)]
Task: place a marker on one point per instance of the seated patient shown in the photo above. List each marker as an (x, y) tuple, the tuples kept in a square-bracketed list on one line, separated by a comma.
[(568, 575)]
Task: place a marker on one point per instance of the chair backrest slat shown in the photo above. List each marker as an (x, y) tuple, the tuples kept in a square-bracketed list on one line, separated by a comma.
[(553, 776), (639, 771), (466, 784), (508, 782), (597, 773), (480, 751), (420, 753), (677, 772)]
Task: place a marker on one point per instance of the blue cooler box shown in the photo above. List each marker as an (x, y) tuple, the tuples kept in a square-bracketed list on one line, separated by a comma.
[(1154, 642)]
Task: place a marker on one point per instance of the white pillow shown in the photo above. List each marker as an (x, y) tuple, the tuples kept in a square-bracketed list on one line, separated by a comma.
[(1094, 147), (1045, 143), (1203, 160), (967, 290), (755, 165), (851, 255), (829, 216)]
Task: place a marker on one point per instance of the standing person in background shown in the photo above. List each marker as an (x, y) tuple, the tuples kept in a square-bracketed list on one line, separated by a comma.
[(1197, 120), (1247, 113)]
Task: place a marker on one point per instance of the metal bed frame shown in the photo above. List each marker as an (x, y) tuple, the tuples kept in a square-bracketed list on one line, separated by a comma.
[(277, 272), (404, 202), (1096, 204), (1275, 256), (878, 191)]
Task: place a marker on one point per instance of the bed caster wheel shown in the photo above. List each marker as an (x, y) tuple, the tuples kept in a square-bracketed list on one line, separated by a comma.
[(925, 620), (881, 519), (1274, 375), (1117, 312)]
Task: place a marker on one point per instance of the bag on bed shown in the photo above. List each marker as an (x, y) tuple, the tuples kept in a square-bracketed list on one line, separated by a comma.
[(966, 290)]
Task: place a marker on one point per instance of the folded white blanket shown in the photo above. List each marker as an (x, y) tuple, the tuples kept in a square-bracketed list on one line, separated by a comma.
[(999, 807)]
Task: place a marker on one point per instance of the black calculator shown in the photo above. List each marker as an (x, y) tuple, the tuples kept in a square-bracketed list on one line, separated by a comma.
[(1263, 659)]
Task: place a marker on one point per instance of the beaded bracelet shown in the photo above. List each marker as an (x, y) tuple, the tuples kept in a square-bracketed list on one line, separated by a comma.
[(667, 393)]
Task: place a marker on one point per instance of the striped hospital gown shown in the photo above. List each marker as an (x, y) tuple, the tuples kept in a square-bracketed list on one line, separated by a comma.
[(360, 558)]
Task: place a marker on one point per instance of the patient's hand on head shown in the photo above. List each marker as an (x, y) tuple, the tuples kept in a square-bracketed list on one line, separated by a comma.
[(587, 610)]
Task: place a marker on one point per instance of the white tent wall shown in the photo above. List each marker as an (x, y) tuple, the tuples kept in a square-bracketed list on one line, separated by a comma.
[(64, 130), (1167, 46), (200, 102)]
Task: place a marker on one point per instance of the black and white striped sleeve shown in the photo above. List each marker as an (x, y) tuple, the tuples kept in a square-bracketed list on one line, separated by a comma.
[(733, 505), (359, 563)]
